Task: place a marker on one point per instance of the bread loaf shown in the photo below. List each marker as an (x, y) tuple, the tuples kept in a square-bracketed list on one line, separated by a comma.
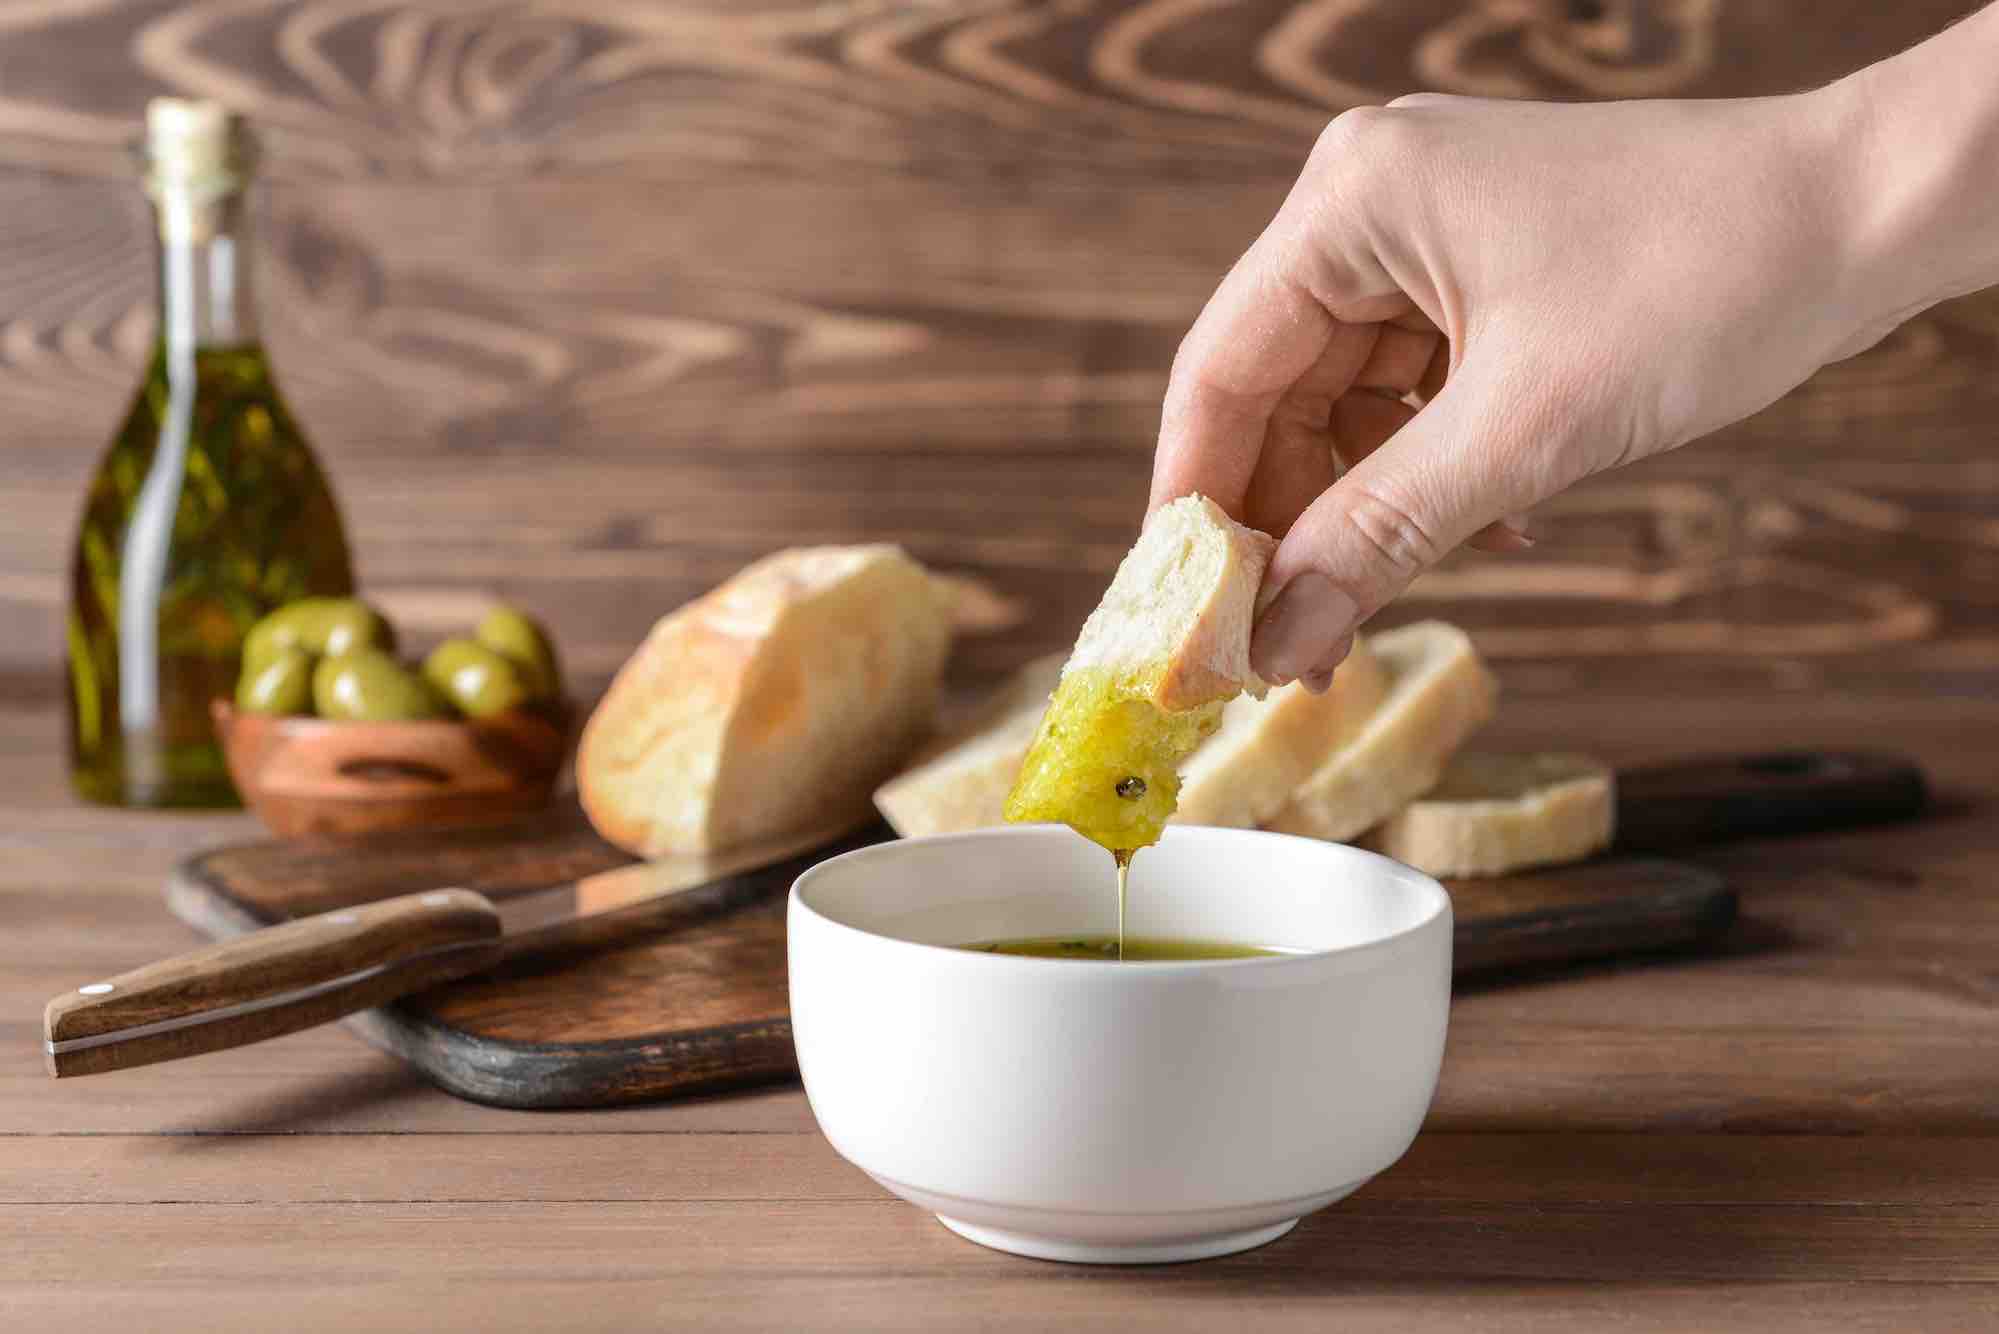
[(1496, 813), (773, 703), (1439, 693)]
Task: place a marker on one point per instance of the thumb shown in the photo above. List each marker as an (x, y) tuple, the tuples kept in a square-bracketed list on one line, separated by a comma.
[(1488, 445)]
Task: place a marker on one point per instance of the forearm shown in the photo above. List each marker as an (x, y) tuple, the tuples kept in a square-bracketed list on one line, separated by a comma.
[(1919, 136)]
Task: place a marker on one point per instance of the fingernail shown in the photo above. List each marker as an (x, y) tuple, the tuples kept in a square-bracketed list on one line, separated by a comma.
[(1318, 682), (1301, 628), (1516, 527)]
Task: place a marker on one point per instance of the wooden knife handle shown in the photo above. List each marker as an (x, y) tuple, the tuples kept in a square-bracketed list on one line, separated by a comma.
[(1666, 807), (278, 980)]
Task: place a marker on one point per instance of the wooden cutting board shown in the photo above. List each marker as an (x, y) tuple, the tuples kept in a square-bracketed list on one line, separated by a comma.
[(701, 1004)]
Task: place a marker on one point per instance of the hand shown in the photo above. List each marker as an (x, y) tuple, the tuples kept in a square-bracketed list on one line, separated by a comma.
[(1561, 288)]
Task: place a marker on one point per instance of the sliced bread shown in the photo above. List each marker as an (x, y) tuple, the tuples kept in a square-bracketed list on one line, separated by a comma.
[(1495, 813), (1174, 624), (1265, 748), (775, 702), (1165, 648), (1439, 692), (961, 782), (1239, 777)]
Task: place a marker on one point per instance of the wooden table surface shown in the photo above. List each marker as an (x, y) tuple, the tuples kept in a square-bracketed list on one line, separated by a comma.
[(586, 302), (1799, 1132)]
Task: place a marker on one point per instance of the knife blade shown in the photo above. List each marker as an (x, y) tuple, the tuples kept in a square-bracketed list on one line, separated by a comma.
[(316, 969)]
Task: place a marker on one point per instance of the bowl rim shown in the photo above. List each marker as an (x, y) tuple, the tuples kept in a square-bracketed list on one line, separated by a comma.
[(1437, 908), (226, 715)]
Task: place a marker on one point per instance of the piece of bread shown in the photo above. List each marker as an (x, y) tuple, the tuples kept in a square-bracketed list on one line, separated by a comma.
[(1495, 813), (1265, 748), (1238, 777), (1439, 692), (1166, 646), (1175, 621), (961, 782), (774, 703)]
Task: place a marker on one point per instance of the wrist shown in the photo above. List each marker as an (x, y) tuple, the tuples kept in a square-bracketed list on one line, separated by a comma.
[(1911, 155)]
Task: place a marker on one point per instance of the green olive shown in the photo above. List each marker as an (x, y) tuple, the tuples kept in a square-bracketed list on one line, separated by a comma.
[(281, 685), (517, 636), (478, 680), (323, 627), (367, 685)]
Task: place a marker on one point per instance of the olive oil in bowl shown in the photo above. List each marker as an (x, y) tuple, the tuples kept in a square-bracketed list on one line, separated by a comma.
[(1132, 949)]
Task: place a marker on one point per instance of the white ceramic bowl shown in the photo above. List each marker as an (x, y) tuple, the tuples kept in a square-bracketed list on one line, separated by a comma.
[(1119, 1113)]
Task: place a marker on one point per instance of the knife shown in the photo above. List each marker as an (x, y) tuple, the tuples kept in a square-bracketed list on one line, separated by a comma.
[(316, 969)]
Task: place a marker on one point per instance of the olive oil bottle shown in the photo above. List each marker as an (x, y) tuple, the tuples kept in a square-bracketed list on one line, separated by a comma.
[(208, 510)]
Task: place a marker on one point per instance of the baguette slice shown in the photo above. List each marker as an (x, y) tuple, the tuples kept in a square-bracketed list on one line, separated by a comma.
[(775, 702), (1175, 622), (1496, 813), (1166, 647), (1439, 692), (1265, 748), (962, 781)]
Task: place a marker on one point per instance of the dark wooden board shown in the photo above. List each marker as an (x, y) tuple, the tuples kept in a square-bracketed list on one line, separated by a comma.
[(703, 1005)]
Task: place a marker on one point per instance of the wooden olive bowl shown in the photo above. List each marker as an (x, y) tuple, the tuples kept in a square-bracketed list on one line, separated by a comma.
[(315, 776)]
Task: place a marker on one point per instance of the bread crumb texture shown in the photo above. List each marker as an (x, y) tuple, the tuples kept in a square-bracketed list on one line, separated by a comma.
[(1157, 659), (1101, 731)]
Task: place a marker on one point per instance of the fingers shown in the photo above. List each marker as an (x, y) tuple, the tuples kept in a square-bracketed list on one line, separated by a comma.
[(1296, 466), (1339, 412), (1259, 335), (1509, 534), (1362, 423), (1297, 463), (1320, 682), (1432, 381), (1272, 321), (1483, 449), (1399, 359)]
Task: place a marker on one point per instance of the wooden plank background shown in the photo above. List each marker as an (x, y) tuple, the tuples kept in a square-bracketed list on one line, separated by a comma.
[(587, 303)]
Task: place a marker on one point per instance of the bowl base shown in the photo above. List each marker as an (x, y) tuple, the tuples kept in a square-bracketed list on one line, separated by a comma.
[(1097, 1253)]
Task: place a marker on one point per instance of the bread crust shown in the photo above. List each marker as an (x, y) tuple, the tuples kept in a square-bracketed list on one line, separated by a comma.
[(1213, 659), (777, 700), (1439, 694), (1491, 814), (1242, 778), (1206, 654), (961, 780)]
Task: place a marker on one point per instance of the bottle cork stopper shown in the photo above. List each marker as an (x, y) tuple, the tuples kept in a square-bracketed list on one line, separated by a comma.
[(196, 142)]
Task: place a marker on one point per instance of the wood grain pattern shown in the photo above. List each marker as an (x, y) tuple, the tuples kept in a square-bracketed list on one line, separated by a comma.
[(1662, 807), (293, 976), (678, 284), (587, 303), (1799, 1133)]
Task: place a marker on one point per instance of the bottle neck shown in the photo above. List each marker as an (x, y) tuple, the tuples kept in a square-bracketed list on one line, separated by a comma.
[(205, 289)]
